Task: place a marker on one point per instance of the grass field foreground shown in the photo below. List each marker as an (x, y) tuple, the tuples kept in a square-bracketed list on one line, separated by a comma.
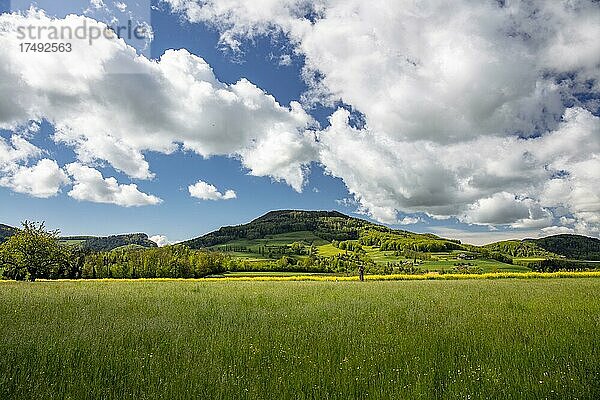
[(525, 338)]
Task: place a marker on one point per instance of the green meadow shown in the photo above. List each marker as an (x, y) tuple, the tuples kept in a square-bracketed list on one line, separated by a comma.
[(440, 261), (457, 339)]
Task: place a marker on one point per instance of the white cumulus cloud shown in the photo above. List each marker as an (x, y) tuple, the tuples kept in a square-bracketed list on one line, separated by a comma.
[(90, 185), (160, 240), (205, 191), (44, 179)]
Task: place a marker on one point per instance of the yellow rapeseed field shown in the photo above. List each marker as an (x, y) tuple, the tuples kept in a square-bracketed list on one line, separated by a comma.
[(392, 277)]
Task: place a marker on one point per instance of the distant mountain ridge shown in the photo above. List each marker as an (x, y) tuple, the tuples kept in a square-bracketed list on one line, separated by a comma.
[(107, 243), (93, 243)]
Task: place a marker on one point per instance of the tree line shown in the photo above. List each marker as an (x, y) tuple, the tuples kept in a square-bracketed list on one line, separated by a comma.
[(33, 253)]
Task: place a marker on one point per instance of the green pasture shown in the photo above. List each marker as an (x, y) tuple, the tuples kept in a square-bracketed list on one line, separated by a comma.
[(459, 339)]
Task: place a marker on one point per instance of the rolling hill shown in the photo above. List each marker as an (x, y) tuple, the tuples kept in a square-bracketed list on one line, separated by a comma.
[(571, 246), (334, 241), (575, 247), (329, 236)]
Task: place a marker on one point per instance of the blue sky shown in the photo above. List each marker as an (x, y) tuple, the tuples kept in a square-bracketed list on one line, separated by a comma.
[(385, 168), (181, 217)]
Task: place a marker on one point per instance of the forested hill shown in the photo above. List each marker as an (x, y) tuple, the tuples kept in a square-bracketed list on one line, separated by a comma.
[(571, 246), (6, 232), (520, 249), (327, 225), (108, 243)]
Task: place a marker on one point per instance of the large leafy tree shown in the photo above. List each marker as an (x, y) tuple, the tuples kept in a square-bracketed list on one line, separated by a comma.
[(33, 252)]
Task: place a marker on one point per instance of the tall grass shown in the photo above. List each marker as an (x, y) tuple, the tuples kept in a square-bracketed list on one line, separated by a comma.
[(525, 338)]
